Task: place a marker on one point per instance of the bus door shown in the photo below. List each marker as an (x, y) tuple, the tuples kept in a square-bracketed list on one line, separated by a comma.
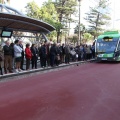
[(117, 52)]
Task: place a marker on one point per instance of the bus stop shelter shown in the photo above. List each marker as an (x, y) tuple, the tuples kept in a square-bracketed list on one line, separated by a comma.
[(17, 21)]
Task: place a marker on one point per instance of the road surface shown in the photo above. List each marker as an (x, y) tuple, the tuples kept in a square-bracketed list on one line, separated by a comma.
[(85, 92)]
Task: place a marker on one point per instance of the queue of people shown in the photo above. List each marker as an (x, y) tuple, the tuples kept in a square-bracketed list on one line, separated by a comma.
[(14, 55)]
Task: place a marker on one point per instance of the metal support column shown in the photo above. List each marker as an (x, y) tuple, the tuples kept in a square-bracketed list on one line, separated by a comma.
[(79, 31)]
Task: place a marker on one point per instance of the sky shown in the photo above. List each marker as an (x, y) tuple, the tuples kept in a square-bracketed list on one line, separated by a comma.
[(22, 3), (115, 14)]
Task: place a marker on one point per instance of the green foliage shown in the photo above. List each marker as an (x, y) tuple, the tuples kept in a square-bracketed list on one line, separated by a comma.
[(98, 16), (45, 13), (33, 10), (55, 13), (65, 8), (49, 12), (74, 39), (87, 37), (82, 29)]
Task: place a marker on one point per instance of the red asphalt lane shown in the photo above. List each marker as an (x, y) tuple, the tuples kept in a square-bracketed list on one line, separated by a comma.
[(85, 92)]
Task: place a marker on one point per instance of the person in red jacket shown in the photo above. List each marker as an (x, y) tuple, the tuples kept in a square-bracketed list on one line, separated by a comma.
[(28, 55)]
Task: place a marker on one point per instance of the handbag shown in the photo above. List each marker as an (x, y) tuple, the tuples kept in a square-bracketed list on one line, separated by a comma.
[(72, 52), (58, 57)]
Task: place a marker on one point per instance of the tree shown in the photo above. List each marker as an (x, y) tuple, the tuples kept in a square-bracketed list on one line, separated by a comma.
[(82, 29), (73, 39), (56, 13), (64, 8), (98, 17), (87, 37), (33, 10), (46, 13), (49, 14)]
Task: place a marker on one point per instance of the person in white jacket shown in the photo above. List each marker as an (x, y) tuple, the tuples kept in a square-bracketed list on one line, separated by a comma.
[(18, 56)]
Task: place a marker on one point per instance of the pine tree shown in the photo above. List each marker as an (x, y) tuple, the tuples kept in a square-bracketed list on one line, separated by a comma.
[(98, 17), (65, 8)]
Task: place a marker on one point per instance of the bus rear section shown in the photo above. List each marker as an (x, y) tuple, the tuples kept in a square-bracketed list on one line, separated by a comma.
[(107, 47)]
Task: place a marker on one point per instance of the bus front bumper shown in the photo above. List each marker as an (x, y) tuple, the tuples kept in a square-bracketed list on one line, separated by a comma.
[(106, 59)]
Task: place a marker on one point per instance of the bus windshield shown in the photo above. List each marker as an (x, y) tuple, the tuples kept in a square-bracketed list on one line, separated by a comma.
[(106, 47)]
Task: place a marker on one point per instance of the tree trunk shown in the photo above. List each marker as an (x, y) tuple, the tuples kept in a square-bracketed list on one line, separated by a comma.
[(96, 25), (58, 36)]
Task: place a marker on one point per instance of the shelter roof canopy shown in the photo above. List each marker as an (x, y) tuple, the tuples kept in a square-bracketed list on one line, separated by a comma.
[(24, 23)]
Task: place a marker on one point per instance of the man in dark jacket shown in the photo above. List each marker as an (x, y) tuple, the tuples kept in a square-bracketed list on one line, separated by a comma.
[(63, 53), (43, 53), (8, 53), (67, 54), (34, 51), (53, 53)]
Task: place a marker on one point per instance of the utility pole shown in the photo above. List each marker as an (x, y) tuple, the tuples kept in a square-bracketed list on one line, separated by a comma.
[(79, 31)]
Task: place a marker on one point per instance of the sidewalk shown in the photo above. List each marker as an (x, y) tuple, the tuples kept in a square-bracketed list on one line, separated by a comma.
[(44, 69)]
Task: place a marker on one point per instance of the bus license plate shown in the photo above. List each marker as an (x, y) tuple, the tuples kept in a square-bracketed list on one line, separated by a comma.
[(104, 58)]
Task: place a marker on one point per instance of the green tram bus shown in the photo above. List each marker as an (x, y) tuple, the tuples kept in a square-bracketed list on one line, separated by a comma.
[(107, 46)]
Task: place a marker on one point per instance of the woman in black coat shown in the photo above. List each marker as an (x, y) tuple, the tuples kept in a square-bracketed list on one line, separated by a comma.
[(53, 53), (34, 59)]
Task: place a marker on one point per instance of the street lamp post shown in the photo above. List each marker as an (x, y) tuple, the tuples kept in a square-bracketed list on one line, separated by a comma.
[(79, 34)]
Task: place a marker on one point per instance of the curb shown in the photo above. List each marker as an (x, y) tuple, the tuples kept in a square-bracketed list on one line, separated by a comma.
[(45, 69)]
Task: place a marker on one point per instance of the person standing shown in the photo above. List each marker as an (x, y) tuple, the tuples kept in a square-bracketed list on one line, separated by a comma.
[(22, 58), (63, 53), (57, 58), (67, 54), (13, 61), (1, 59), (18, 56), (7, 57), (53, 54), (93, 51), (48, 45), (34, 59), (43, 55), (28, 54)]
